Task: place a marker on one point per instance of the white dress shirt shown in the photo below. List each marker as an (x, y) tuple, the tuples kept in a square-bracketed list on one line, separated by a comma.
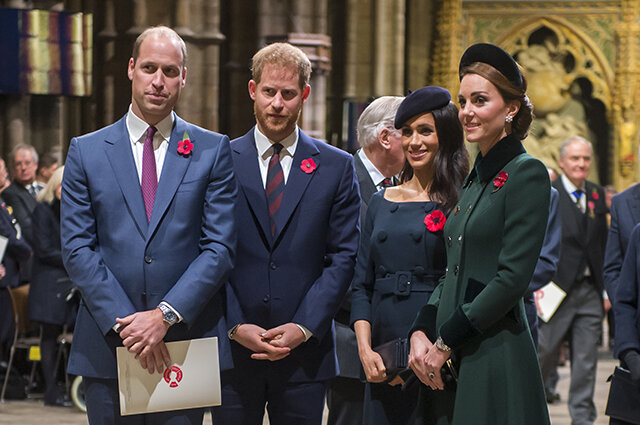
[(265, 152), (137, 129)]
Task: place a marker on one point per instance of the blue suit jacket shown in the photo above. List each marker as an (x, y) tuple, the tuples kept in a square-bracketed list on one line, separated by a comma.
[(625, 214), (121, 263), (302, 273), (626, 306)]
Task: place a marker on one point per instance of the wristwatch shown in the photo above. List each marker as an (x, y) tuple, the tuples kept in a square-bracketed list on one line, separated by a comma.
[(168, 315), (232, 332), (440, 345)]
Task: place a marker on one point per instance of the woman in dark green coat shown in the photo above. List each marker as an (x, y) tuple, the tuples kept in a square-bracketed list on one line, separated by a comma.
[(493, 239)]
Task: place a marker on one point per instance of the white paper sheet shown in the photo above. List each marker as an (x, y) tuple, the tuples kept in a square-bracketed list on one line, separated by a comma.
[(548, 299)]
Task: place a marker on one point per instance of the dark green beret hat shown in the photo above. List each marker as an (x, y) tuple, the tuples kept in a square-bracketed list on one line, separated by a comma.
[(494, 56), (421, 101)]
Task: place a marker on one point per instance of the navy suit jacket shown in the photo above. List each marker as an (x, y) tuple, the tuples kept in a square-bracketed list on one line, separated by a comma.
[(301, 274), (121, 263), (626, 304), (625, 214), (17, 250)]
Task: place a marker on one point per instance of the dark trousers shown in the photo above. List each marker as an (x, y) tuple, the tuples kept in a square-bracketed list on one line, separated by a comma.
[(103, 408), (387, 405), (245, 395), (49, 352), (345, 401)]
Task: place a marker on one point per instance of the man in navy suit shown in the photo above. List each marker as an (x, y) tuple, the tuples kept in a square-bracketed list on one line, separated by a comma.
[(625, 214), (299, 207), (377, 163), (148, 232)]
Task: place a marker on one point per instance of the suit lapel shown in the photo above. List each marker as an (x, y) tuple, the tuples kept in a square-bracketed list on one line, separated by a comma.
[(634, 204), (297, 182), (120, 156), (173, 170), (367, 186), (248, 175)]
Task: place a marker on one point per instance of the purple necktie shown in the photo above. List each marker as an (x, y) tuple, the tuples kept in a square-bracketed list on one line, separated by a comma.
[(149, 182), (275, 185)]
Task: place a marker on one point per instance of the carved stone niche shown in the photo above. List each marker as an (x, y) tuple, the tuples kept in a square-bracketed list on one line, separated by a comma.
[(317, 47)]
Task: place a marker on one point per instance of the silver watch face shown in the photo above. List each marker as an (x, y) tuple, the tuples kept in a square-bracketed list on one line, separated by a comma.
[(169, 316)]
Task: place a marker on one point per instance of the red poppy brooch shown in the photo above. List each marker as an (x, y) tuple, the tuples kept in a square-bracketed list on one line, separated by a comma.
[(185, 146), (594, 195), (435, 221), (308, 165), (500, 180)]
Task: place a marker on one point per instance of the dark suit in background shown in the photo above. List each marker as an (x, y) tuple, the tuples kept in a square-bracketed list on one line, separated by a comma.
[(23, 204), (345, 394), (581, 311), (17, 252), (547, 263), (625, 214)]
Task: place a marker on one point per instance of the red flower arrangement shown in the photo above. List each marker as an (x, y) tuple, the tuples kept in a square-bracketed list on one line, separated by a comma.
[(500, 180), (185, 146), (308, 165), (435, 221)]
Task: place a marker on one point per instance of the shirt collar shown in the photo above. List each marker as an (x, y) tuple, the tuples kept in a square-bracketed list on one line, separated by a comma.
[(376, 176), (569, 186), (137, 127), (263, 144), (498, 156)]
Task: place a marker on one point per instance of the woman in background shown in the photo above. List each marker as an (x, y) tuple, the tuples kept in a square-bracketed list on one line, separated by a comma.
[(49, 284), (402, 254)]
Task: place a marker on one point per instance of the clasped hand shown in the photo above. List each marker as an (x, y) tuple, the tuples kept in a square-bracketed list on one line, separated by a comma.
[(427, 360), (142, 334), (272, 344)]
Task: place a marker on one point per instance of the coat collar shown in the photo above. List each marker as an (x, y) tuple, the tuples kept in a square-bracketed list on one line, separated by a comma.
[(498, 156)]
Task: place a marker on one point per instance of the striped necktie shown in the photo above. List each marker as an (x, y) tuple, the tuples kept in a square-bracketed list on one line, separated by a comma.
[(149, 182), (275, 185)]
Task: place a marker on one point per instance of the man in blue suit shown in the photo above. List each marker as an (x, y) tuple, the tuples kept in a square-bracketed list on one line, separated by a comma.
[(148, 232), (625, 214), (299, 207)]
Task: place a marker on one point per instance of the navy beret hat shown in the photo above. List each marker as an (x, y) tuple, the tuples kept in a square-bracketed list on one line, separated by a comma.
[(421, 101), (494, 56)]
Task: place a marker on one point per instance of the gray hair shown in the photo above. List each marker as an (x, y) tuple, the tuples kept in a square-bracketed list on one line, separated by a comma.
[(24, 146), (378, 115), (572, 139), (160, 31), (49, 192)]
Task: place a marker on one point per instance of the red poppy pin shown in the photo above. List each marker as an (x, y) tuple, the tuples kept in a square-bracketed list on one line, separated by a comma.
[(500, 180), (435, 221), (185, 146), (308, 165), (595, 195)]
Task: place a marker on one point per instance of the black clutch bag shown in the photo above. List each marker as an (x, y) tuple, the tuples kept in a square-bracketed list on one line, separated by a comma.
[(624, 397), (395, 355)]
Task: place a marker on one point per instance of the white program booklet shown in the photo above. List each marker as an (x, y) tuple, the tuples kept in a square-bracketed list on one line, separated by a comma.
[(3, 246), (548, 299), (193, 380)]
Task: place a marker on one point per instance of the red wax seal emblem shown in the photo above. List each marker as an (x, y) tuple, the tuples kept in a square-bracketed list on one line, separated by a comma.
[(173, 376)]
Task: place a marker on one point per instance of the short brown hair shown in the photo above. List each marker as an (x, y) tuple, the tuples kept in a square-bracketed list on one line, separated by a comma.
[(160, 30), (285, 55), (509, 92)]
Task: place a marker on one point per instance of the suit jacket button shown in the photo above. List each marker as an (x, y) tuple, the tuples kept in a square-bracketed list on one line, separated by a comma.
[(147, 259), (273, 266), (266, 299)]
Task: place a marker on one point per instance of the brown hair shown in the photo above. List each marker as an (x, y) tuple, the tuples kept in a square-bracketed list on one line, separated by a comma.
[(509, 92), (285, 55)]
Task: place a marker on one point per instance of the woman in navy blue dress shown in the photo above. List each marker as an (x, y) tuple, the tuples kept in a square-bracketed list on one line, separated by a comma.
[(402, 251)]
